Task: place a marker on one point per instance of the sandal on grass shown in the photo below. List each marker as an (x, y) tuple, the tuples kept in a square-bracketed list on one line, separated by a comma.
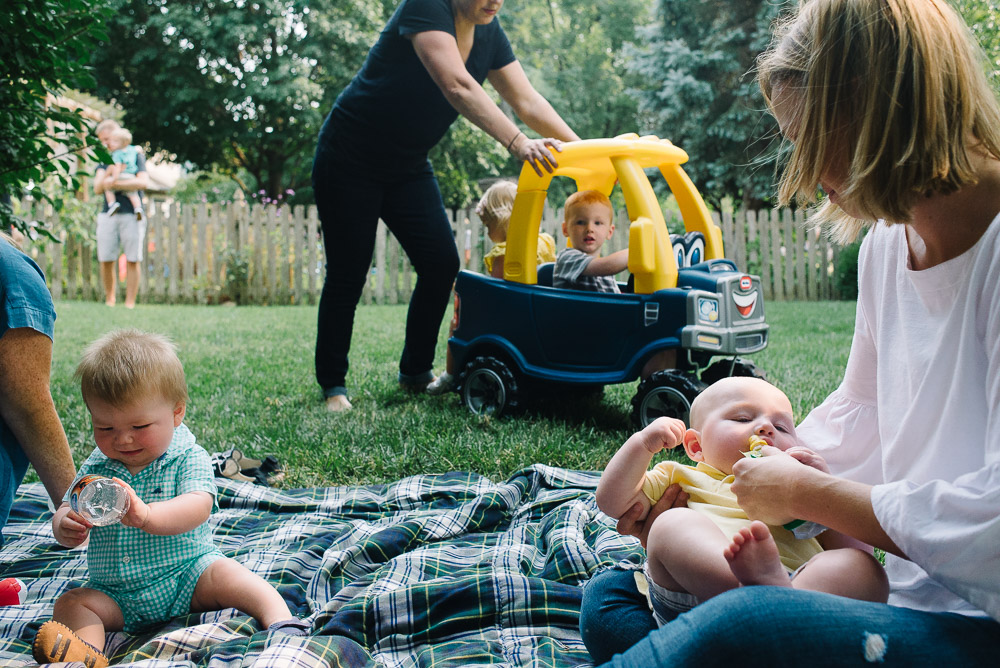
[(55, 643), (226, 467)]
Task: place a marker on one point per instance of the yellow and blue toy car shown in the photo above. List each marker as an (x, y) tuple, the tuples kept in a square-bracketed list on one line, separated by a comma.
[(518, 334)]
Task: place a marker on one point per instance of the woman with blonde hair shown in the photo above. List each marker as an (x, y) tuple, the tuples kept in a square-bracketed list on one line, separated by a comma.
[(889, 111)]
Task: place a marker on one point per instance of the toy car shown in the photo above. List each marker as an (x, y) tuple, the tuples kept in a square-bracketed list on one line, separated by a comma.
[(518, 335)]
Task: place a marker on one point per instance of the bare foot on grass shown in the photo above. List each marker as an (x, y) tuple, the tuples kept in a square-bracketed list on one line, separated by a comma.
[(753, 557), (338, 403)]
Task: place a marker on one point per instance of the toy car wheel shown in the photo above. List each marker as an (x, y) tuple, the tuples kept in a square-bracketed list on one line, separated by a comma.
[(666, 393), (732, 367), (489, 386)]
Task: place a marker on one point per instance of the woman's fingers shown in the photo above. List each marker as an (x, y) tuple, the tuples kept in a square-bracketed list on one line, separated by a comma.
[(537, 154)]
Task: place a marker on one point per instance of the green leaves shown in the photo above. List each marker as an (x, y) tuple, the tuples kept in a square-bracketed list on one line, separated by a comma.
[(238, 85), (44, 48)]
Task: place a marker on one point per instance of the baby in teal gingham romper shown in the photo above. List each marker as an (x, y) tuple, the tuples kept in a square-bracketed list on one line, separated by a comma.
[(152, 578), (159, 561)]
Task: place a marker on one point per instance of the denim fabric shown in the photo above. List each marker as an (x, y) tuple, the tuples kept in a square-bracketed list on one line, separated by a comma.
[(613, 615), (777, 626), (350, 198)]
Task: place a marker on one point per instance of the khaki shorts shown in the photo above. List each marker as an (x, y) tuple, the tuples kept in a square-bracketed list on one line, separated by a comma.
[(120, 233)]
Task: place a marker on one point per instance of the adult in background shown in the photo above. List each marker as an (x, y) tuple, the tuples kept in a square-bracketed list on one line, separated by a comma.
[(888, 109), (123, 231), (30, 430), (427, 67)]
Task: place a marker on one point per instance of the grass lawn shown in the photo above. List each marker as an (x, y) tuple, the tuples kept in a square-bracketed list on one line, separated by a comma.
[(250, 378)]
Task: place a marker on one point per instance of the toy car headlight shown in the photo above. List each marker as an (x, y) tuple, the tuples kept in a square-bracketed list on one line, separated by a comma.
[(708, 310)]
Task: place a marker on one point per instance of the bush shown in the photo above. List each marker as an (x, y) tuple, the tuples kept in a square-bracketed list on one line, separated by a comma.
[(846, 271)]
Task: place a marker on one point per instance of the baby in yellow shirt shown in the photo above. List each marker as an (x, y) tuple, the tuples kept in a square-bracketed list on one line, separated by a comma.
[(711, 546)]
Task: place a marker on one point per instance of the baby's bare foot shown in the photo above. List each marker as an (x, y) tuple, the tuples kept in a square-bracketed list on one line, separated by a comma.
[(753, 557)]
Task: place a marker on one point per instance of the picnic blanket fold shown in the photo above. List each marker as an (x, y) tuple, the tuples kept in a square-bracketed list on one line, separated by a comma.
[(447, 569)]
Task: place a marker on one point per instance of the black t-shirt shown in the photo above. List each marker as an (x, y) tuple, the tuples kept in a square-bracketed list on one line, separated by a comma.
[(125, 206), (392, 104)]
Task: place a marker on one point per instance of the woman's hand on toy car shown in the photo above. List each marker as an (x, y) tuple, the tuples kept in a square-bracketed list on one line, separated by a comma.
[(536, 152)]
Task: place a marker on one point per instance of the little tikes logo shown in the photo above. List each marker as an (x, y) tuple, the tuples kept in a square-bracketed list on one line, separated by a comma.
[(745, 303)]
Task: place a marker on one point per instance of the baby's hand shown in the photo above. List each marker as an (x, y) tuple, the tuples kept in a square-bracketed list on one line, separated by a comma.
[(70, 528), (663, 433), (138, 510), (806, 456)]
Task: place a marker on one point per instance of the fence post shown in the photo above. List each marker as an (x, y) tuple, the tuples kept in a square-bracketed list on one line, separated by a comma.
[(312, 240)]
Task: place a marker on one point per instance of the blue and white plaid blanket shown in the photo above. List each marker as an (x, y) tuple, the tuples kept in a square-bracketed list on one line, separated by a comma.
[(432, 570)]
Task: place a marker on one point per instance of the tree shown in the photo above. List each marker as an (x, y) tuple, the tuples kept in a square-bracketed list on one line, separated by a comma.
[(240, 84), (983, 17), (572, 52), (44, 45), (696, 61)]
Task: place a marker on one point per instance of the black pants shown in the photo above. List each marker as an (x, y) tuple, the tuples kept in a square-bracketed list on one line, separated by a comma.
[(350, 199)]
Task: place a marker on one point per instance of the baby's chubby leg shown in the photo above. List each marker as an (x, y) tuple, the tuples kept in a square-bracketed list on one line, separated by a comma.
[(89, 613), (684, 553), (845, 572), (229, 584)]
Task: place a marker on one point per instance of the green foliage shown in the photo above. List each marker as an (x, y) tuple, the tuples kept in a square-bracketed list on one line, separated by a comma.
[(465, 155), (846, 271), (983, 17), (240, 84), (250, 378), (205, 186), (44, 47), (694, 62), (572, 53)]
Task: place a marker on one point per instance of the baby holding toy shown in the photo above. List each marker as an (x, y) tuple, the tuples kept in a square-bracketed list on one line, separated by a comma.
[(711, 546), (588, 222), (159, 561), (494, 209)]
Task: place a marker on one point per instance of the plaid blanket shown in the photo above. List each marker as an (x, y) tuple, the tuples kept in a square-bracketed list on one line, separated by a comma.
[(432, 570)]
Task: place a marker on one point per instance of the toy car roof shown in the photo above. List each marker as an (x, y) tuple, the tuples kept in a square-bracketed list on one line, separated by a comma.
[(597, 164)]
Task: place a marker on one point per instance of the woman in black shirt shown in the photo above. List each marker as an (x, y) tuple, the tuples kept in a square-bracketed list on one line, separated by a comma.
[(427, 67)]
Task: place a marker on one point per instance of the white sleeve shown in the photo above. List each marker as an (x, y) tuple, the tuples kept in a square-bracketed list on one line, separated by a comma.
[(951, 528), (844, 428)]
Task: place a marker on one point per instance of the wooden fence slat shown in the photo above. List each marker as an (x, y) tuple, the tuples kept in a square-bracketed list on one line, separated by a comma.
[(193, 249), (298, 246), (312, 234)]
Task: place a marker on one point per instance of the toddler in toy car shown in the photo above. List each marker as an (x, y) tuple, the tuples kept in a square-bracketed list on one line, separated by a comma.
[(588, 222)]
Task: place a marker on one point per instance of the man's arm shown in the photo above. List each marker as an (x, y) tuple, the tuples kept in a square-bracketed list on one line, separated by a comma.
[(27, 408)]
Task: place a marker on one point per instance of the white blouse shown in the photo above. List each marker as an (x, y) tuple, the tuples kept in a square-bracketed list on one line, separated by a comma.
[(918, 416)]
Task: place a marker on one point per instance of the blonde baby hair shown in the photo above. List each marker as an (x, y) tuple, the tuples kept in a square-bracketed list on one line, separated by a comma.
[(121, 136), (126, 365), (497, 203), (901, 84)]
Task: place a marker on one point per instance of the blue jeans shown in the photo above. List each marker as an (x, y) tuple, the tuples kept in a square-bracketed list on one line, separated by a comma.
[(777, 626), (351, 197)]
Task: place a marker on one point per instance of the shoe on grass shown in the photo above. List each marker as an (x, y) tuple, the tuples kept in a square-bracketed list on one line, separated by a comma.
[(55, 643), (441, 385)]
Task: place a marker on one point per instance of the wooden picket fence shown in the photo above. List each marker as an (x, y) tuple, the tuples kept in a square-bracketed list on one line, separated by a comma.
[(218, 253)]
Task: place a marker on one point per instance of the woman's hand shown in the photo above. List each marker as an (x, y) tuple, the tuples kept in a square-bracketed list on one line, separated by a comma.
[(536, 152), (629, 524), (764, 485)]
